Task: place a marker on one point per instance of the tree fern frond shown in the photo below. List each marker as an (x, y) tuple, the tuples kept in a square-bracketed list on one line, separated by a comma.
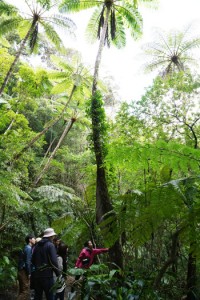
[(93, 26), (58, 75), (63, 22), (45, 4), (64, 86), (22, 28), (132, 19), (190, 45), (61, 223), (53, 193), (14, 194), (120, 34), (66, 67), (77, 5), (7, 9), (52, 35), (4, 42), (7, 25)]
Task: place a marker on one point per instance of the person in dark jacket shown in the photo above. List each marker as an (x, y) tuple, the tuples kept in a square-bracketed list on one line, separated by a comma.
[(44, 259), (25, 268), (63, 252), (86, 257)]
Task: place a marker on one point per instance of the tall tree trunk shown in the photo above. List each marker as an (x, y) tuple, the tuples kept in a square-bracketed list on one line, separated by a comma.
[(51, 124), (10, 71), (103, 202), (46, 167)]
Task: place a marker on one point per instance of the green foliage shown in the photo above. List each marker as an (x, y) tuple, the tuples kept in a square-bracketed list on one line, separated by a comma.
[(150, 153), (72, 77), (7, 273), (5, 61), (100, 282), (7, 9), (97, 113), (32, 83)]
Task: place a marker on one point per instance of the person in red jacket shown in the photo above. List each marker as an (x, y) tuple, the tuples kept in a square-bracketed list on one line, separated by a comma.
[(87, 254)]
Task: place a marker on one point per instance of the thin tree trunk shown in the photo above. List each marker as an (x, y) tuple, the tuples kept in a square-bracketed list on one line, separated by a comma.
[(103, 202), (36, 138), (46, 167), (99, 53), (172, 259), (10, 71), (47, 152), (10, 125)]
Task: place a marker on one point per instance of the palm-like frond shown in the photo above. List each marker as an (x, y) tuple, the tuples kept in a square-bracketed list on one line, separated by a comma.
[(120, 36), (54, 193), (77, 5), (63, 22), (10, 194), (8, 25), (52, 35), (62, 87), (132, 19), (190, 45), (92, 26), (58, 62), (22, 28), (70, 74), (58, 75), (45, 3), (7, 9), (4, 42)]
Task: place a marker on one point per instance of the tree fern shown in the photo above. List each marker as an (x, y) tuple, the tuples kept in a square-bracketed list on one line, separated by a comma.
[(36, 20)]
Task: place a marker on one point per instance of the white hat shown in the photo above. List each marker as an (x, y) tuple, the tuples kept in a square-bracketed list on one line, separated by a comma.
[(49, 232), (38, 239)]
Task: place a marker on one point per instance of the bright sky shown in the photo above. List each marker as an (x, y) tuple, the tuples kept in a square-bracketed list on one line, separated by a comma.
[(125, 65)]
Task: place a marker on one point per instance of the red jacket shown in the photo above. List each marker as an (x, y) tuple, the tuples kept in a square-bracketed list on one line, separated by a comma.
[(86, 257)]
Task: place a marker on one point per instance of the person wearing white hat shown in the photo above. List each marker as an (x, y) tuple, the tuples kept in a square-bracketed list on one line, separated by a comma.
[(44, 259)]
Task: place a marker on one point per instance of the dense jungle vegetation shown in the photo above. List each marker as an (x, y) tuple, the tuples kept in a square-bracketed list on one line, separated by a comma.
[(130, 183)]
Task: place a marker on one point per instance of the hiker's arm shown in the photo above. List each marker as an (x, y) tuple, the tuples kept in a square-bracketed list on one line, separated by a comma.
[(100, 250)]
